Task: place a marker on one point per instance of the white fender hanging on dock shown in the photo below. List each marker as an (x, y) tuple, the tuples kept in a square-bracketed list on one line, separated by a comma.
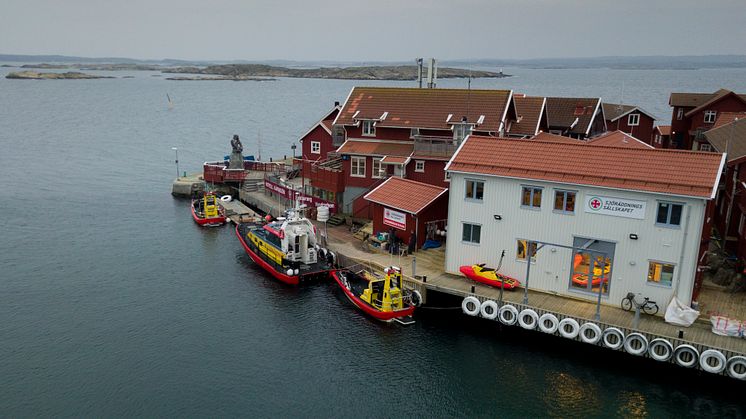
[(471, 305), (636, 344), (569, 328), (737, 367), (590, 333), (548, 323), (686, 355), (528, 319), (613, 338), (508, 314), (489, 310), (226, 198), (660, 349), (712, 361)]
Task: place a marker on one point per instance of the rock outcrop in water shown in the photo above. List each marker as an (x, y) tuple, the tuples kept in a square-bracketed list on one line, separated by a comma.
[(71, 75)]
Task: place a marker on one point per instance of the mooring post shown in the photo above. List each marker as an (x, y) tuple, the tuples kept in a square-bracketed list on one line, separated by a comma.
[(414, 266)]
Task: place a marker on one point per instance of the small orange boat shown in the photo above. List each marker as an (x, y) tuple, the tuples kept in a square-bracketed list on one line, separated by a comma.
[(489, 276)]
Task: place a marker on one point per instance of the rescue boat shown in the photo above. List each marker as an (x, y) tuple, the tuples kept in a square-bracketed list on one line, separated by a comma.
[(286, 248), (206, 211), (489, 276), (383, 299), (582, 279)]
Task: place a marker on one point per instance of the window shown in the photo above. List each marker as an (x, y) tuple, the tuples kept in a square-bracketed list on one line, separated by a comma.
[(448, 177), (472, 233), (521, 250), (460, 131), (710, 117), (660, 273), (369, 128), (357, 166), (633, 119), (657, 138), (592, 263), (669, 214), (414, 132), (531, 197), (419, 166), (705, 147), (680, 114), (315, 147), (564, 201), (378, 171), (474, 189)]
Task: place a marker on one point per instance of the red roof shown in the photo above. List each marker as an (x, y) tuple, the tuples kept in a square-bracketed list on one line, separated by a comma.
[(671, 172), (376, 148), (425, 108), (405, 195), (725, 118), (554, 138), (530, 111), (618, 139)]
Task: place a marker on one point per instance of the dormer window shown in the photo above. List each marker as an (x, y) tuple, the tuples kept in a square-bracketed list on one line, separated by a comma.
[(369, 129), (710, 117), (633, 119), (460, 131)]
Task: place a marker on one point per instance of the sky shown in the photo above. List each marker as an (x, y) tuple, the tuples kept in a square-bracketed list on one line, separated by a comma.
[(381, 30)]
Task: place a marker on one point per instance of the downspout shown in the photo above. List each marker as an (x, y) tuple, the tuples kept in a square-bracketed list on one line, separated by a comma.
[(683, 248)]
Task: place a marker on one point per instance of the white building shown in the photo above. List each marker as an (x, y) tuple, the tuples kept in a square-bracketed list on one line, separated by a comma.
[(645, 208)]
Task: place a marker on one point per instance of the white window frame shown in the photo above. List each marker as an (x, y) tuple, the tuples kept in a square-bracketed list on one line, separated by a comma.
[(474, 198), (471, 233), (705, 147), (531, 198), (633, 119), (658, 284), (668, 224), (369, 128), (417, 164), (360, 166), (710, 117), (315, 147), (378, 172), (680, 114), (448, 177)]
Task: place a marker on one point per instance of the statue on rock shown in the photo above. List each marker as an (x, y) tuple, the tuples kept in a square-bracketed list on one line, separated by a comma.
[(236, 161)]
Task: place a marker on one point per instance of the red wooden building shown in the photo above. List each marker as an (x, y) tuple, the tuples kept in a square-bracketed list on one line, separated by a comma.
[(575, 117), (632, 120), (408, 208), (662, 136), (695, 113), (324, 178)]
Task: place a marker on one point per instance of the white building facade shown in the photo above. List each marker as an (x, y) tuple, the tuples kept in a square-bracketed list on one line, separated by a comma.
[(651, 240)]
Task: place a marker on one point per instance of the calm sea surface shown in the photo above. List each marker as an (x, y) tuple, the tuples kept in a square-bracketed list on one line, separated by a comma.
[(114, 303)]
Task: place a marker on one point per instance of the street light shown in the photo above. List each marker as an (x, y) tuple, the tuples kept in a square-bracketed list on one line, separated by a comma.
[(177, 160)]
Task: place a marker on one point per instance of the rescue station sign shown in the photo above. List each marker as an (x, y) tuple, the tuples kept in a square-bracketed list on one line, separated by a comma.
[(395, 219), (616, 207)]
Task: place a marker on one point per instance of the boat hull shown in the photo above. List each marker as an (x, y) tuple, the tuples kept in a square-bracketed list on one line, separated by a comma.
[(468, 271), (281, 276), (385, 316)]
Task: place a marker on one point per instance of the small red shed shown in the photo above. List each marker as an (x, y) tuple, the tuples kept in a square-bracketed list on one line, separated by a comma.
[(406, 206)]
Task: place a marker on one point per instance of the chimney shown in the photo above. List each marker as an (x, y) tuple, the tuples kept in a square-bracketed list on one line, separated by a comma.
[(336, 103)]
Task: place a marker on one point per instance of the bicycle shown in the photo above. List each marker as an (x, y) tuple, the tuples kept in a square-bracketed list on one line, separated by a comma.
[(647, 306)]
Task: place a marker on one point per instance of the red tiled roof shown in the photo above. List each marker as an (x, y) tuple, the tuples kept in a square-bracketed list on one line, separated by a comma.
[(529, 110), (618, 139), (405, 195), (554, 138), (675, 172), (563, 111), (725, 118), (664, 129), (376, 148), (424, 108)]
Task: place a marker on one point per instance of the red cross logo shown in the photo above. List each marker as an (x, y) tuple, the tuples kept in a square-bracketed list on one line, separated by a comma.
[(595, 204)]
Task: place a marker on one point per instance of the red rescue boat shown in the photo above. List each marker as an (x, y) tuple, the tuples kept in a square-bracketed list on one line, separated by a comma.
[(382, 299)]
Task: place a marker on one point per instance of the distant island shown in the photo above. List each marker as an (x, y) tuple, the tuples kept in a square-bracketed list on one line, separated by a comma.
[(72, 75), (220, 78), (99, 67), (386, 72)]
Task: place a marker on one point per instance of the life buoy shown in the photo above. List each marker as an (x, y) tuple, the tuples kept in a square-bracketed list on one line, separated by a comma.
[(548, 323), (737, 367), (712, 361), (226, 198), (569, 328), (590, 333), (613, 338), (416, 298), (489, 310), (508, 315), (660, 350), (528, 319), (686, 355), (471, 305), (636, 344)]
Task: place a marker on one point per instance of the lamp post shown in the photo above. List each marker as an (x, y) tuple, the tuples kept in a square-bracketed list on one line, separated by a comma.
[(177, 160), (293, 147)]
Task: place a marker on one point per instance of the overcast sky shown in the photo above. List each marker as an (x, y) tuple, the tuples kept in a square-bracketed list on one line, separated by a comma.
[(360, 30)]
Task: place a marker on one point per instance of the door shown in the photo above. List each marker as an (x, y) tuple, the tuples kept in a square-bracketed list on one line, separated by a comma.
[(592, 264)]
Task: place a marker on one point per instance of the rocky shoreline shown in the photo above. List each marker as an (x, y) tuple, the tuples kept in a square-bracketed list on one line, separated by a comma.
[(70, 75), (220, 78)]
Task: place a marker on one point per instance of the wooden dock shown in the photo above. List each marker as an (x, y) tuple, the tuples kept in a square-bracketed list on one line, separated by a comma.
[(237, 212)]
